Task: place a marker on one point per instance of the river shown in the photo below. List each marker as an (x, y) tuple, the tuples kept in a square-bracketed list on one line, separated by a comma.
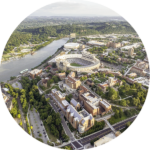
[(13, 67)]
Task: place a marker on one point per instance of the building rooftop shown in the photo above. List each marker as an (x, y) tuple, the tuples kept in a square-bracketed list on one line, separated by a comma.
[(71, 109), (74, 102), (104, 102), (65, 103), (35, 71)]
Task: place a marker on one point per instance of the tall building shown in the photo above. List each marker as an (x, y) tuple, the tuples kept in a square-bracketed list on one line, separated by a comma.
[(131, 51)]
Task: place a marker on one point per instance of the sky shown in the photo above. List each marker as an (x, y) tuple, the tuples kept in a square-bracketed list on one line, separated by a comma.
[(74, 8)]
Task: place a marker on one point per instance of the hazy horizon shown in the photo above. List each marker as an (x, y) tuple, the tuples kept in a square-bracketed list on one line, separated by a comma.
[(75, 8)]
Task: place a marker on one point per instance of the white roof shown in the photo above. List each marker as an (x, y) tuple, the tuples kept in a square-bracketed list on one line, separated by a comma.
[(75, 113), (105, 103), (74, 102), (135, 45), (71, 45), (65, 103), (35, 71), (104, 139), (95, 42), (5, 89)]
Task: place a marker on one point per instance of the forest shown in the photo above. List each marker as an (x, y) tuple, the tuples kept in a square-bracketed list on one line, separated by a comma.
[(40, 34), (47, 114)]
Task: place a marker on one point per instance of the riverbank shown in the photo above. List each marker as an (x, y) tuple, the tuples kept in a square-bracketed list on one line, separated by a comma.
[(11, 56), (49, 58), (13, 67)]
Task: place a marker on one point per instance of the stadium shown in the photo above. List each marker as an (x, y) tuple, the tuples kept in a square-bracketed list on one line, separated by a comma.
[(84, 62)]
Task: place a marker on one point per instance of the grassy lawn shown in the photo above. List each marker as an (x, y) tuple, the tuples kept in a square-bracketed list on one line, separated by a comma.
[(96, 81), (75, 64), (53, 87), (102, 79), (119, 119), (6, 55), (51, 137)]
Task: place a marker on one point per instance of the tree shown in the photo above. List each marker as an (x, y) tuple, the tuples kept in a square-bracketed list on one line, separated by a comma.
[(20, 123), (19, 116), (123, 103), (136, 101), (116, 114), (112, 94), (49, 120)]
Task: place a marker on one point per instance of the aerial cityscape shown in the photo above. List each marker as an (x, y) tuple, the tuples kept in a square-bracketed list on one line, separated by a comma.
[(74, 80)]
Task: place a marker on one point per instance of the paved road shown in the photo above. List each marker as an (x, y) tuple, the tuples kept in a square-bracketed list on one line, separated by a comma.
[(64, 124), (104, 132)]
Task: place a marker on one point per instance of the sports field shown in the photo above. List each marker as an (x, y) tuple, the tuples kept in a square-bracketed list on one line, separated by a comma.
[(75, 64)]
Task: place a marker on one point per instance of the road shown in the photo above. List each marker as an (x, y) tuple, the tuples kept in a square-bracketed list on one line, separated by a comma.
[(64, 124), (22, 115), (103, 132), (17, 84)]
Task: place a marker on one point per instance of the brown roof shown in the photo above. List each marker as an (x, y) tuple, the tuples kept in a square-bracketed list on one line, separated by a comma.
[(137, 68), (71, 79), (48, 66)]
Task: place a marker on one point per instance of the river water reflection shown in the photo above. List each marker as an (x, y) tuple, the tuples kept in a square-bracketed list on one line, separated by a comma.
[(13, 67)]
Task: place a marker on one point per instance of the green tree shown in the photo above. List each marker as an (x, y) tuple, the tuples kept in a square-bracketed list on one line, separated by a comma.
[(123, 103), (49, 120)]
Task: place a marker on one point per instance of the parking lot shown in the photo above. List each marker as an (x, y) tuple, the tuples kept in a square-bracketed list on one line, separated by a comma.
[(38, 128)]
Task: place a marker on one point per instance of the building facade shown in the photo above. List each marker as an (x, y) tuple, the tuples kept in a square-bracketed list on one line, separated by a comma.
[(71, 81), (35, 73)]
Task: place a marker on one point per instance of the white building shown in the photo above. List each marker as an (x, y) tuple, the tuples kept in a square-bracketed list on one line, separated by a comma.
[(92, 42), (71, 45), (104, 139)]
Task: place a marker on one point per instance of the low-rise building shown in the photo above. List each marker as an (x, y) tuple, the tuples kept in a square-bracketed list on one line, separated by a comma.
[(35, 73), (75, 104), (44, 81), (104, 139), (138, 71), (72, 82), (89, 82), (62, 76), (132, 75), (94, 105), (109, 83), (113, 44), (82, 120), (58, 95)]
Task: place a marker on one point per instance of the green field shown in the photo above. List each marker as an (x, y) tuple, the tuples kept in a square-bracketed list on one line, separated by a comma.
[(75, 64)]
